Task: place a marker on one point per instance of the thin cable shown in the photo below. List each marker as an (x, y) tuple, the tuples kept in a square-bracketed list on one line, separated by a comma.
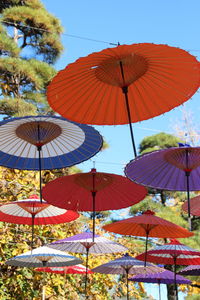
[(69, 35)]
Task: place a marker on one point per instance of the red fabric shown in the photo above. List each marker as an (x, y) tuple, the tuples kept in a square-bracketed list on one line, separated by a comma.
[(75, 191), (158, 77), (194, 206), (139, 225), (65, 270)]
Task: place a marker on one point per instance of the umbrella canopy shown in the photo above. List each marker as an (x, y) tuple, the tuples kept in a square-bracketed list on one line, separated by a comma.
[(93, 191), (46, 142), (126, 265), (31, 211), (63, 143), (193, 270), (194, 206), (87, 243), (175, 169), (148, 225), (77, 269), (173, 253), (83, 243), (125, 84), (165, 277), (43, 257)]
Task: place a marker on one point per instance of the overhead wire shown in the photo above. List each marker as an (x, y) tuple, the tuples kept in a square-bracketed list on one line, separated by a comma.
[(75, 36)]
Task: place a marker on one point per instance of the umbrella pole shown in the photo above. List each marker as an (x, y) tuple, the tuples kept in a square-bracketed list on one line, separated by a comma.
[(39, 148), (86, 271), (175, 285), (125, 92), (127, 287), (33, 219), (188, 199), (93, 215), (146, 245), (93, 204), (187, 173)]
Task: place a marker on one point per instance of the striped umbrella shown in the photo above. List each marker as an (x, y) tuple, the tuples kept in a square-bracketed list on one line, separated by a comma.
[(77, 269), (148, 225), (43, 257), (32, 212), (86, 244), (174, 169), (126, 265), (193, 270), (173, 253), (45, 143), (165, 277)]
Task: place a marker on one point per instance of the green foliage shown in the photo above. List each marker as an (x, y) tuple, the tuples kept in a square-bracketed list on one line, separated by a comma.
[(36, 33), (158, 141)]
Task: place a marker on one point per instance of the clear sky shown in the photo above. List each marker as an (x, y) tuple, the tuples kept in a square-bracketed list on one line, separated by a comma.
[(172, 22)]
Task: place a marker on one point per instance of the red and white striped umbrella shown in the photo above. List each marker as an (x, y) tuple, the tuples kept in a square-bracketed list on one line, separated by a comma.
[(173, 253), (32, 212), (77, 269)]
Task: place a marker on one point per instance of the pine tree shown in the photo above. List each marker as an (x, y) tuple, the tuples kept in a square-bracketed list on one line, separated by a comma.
[(29, 45)]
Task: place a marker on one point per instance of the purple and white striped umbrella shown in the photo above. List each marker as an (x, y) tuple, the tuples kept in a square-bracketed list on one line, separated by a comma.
[(127, 265), (174, 169), (87, 243), (165, 277), (193, 270), (83, 243)]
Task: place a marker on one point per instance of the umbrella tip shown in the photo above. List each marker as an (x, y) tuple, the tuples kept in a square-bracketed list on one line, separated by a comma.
[(93, 170), (149, 212)]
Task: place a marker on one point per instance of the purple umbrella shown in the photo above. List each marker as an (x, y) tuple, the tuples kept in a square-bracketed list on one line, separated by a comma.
[(175, 169), (84, 243), (191, 270), (165, 277), (127, 265)]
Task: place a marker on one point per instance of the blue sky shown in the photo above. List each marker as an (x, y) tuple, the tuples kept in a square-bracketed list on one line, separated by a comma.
[(175, 23)]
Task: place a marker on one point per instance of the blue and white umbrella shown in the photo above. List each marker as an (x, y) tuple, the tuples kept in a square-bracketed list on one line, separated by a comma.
[(43, 257), (45, 143)]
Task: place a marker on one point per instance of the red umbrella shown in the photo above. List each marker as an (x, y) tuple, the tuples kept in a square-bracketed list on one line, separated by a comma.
[(194, 206), (32, 212), (173, 253), (148, 225), (124, 84), (93, 191), (77, 269)]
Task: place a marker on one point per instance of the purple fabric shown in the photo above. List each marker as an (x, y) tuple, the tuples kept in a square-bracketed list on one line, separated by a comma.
[(77, 237), (83, 242), (191, 270), (166, 277), (165, 169)]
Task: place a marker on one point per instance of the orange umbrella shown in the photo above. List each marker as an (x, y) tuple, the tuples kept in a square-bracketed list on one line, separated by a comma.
[(125, 84), (148, 225), (194, 206)]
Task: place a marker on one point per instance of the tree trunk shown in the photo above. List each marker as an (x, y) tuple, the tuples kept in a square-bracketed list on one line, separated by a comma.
[(171, 292)]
